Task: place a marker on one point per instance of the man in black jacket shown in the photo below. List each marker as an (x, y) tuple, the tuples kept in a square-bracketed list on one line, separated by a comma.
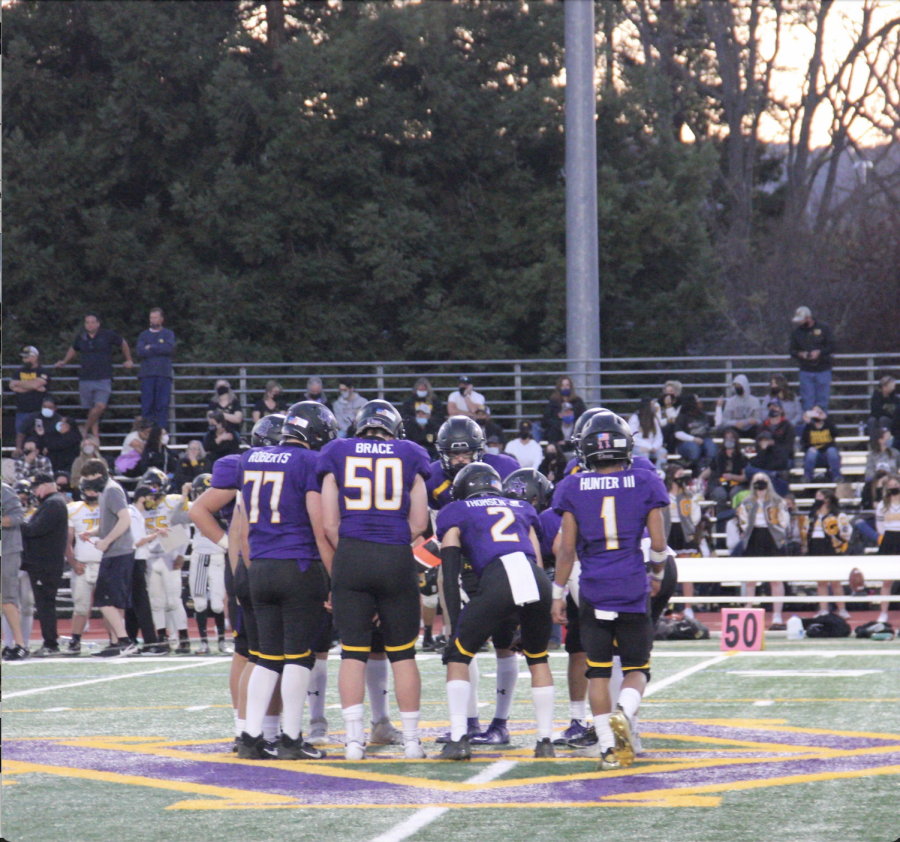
[(812, 345), (46, 536)]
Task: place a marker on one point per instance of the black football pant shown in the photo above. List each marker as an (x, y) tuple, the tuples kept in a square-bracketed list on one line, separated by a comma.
[(139, 616)]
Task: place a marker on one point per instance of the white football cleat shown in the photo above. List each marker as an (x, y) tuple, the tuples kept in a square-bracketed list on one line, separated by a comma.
[(354, 751), (412, 750), (318, 732)]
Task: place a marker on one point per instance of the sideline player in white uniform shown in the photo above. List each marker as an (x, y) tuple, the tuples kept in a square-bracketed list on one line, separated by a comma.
[(207, 573), (84, 558), (164, 576)]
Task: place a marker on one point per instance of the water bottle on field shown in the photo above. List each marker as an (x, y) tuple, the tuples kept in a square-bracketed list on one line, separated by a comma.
[(795, 629)]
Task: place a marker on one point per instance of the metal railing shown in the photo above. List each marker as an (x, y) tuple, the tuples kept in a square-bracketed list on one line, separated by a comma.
[(513, 389)]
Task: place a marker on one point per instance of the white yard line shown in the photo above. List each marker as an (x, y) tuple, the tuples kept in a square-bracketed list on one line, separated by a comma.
[(656, 686), (35, 690), (421, 818)]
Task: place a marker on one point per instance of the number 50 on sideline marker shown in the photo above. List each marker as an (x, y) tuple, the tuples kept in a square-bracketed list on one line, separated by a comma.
[(743, 629)]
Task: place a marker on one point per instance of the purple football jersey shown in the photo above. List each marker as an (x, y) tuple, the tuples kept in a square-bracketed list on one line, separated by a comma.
[(550, 522), (274, 483), (501, 463), (611, 512), (572, 467), (374, 479), (226, 473), (489, 528), (438, 487)]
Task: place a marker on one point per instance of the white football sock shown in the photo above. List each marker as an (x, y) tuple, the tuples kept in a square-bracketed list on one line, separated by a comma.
[(543, 698), (240, 725), (630, 701), (378, 680), (271, 727), (578, 710), (294, 682), (474, 675), (507, 675), (410, 724), (615, 681), (259, 693), (353, 724), (458, 692), (315, 693), (604, 732)]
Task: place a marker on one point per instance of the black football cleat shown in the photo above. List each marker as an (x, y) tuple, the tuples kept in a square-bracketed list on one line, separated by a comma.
[(456, 750), (298, 750), (544, 748), (256, 748)]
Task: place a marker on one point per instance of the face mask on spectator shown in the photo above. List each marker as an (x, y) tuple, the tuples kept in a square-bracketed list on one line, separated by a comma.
[(345, 393), (88, 448), (222, 390), (568, 419), (421, 393), (59, 427), (47, 413), (493, 450), (739, 390), (421, 421), (760, 485), (774, 413), (565, 392), (729, 442), (893, 490)]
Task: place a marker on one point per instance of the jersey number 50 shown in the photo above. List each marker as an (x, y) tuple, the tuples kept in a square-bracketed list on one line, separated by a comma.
[(372, 483)]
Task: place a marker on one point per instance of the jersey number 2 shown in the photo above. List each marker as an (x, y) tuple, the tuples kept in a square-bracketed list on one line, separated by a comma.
[(374, 486), (498, 530)]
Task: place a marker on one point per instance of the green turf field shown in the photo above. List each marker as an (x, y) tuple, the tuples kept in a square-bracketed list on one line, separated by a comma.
[(798, 743)]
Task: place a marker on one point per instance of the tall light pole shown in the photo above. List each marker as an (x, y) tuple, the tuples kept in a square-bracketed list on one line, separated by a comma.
[(582, 278)]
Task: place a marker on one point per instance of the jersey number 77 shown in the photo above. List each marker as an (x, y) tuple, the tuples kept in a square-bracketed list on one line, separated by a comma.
[(259, 479)]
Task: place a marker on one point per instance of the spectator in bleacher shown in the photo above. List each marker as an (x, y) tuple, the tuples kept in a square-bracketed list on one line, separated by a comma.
[(315, 392), (680, 521), (272, 401), (560, 428), (781, 429), (136, 437), (155, 347), (827, 532), (554, 465), (42, 423), (793, 411), (741, 411), (564, 393), (819, 445), (96, 345), (884, 408), (156, 455), (90, 449), (490, 428), (422, 393), (63, 484), (647, 432), (670, 406), (31, 462), (524, 449), (63, 442), (222, 439), (192, 463), (763, 519), (29, 385), (423, 429), (226, 402), (725, 473), (887, 520), (693, 432), (465, 400), (771, 461), (882, 457), (794, 535), (812, 346), (347, 405)]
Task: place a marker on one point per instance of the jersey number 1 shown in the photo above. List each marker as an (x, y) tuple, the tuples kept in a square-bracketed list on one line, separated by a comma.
[(608, 513)]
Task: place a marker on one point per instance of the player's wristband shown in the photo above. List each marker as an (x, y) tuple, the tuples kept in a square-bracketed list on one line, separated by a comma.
[(223, 542), (559, 591), (658, 557)]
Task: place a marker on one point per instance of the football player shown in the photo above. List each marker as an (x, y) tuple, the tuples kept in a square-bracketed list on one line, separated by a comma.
[(460, 441), (286, 549), (207, 569), (143, 496), (374, 504), (164, 566), (84, 559), (500, 540), (613, 585)]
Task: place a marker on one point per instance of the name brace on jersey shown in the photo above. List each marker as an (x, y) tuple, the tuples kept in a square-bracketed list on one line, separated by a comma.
[(374, 447)]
